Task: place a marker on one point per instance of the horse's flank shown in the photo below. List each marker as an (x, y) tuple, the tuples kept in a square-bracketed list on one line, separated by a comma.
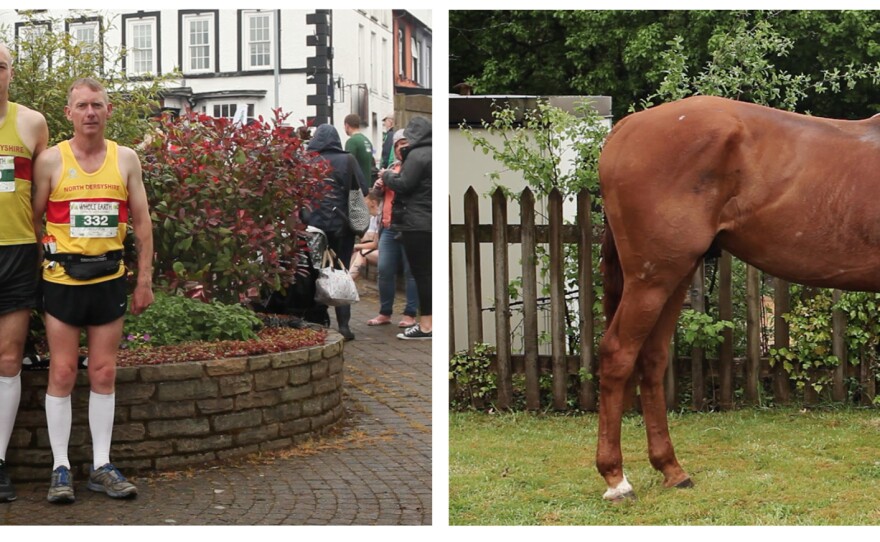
[(796, 196)]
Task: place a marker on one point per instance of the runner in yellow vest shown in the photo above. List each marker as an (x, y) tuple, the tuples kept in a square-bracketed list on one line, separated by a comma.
[(88, 186), (23, 135)]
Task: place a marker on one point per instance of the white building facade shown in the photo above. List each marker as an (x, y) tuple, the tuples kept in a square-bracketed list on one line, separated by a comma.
[(249, 61)]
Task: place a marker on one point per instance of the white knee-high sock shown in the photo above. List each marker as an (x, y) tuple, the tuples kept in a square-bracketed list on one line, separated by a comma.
[(10, 395), (101, 411), (58, 419)]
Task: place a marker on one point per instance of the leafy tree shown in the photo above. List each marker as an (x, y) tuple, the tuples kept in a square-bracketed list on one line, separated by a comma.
[(537, 144), (47, 63), (618, 52)]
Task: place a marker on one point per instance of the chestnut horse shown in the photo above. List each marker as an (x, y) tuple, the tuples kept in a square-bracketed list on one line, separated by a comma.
[(795, 196)]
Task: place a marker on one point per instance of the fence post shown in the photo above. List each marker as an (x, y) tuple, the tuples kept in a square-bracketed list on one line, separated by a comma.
[(867, 379), (451, 297), (781, 338), (838, 348), (502, 299), (725, 312), (530, 299), (670, 385), (698, 304), (557, 302), (587, 393), (472, 268), (753, 334)]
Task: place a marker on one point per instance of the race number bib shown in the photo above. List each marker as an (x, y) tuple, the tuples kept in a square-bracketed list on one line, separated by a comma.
[(94, 219), (7, 174)]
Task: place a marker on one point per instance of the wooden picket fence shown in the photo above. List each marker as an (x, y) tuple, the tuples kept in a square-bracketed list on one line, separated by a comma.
[(726, 372)]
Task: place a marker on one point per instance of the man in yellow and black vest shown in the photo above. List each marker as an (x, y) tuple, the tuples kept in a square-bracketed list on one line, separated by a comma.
[(88, 186), (23, 135)]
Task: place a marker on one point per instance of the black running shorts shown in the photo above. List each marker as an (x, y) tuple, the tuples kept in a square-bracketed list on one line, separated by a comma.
[(87, 305), (19, 277)]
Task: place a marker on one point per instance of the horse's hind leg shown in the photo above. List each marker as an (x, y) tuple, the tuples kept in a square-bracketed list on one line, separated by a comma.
[(640, 307), (652, 362)]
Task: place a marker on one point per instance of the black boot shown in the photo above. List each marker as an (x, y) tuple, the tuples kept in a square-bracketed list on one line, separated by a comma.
[(343, 316)]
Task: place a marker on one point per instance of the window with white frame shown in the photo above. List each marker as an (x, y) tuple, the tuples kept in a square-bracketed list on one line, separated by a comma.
[(227, 110), (259, 37), (141, 46), (84, 33), (415, 60), (401, 54), (384, 77), (362, 61), (199, 46), (427, 63), (28, 37), (374, 63)]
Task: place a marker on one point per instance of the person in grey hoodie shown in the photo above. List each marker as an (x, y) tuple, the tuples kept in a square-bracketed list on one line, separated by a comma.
[(411, 214), (345, 175)]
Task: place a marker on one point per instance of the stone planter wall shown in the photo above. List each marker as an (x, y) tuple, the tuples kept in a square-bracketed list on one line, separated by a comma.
[(169, 416)]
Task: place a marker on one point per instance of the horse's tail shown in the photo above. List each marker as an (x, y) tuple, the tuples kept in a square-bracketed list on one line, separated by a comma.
[(612, 275)]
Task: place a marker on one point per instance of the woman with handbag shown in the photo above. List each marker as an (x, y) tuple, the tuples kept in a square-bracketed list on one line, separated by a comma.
[(331, 214)]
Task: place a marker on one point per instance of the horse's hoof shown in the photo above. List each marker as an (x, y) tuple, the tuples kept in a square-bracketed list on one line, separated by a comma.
[(626, 497), (686, 483)]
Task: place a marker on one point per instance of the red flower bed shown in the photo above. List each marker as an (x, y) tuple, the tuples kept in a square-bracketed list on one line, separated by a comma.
[(272, 339)]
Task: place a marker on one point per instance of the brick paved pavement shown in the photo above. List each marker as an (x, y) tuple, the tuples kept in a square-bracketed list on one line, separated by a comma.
[(375, 471)]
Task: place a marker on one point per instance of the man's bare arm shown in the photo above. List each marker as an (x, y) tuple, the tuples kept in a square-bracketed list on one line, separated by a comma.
[(143, 229)]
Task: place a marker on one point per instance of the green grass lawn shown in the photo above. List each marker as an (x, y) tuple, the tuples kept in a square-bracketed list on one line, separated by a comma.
[(750, 467)]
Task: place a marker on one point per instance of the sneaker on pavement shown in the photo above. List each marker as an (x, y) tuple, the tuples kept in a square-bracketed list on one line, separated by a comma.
[(61, 486), (414, 333), (7, 492), (109, 480)]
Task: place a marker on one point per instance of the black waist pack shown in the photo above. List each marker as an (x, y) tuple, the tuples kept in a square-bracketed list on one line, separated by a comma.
[(81, 267)]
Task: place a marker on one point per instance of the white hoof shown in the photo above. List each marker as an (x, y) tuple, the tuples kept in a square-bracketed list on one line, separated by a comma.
[(622, 491)]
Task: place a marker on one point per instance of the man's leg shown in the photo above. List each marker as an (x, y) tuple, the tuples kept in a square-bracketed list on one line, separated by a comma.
[(13, 331), (103, 348), (64, 353)]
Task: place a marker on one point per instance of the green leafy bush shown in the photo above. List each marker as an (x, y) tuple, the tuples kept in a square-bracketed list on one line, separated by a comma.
[(809, 355), (225, 202), (173, 319), (473, 383), (699, 330)]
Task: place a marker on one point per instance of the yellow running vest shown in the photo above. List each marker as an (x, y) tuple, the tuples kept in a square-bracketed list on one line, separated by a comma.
[(16, 222), (87, 213)]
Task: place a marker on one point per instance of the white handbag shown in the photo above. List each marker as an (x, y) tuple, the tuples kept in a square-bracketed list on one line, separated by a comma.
[(334, 286)]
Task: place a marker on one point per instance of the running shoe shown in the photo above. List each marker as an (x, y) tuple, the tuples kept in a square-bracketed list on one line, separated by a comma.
[(61, 486), (414, 333), (109, 480), (7, 492)]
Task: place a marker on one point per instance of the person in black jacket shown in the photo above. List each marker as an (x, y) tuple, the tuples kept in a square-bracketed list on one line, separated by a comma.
[(412, 216), (345, 175)]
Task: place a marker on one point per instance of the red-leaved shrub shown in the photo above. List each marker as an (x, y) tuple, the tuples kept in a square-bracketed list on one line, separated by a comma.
[(225, 202)]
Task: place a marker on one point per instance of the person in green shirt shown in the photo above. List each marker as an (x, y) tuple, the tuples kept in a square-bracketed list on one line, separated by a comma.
[(360, 147)]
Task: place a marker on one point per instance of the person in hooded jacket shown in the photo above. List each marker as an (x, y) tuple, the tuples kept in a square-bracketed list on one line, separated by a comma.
[(411, 215), (345, 175)]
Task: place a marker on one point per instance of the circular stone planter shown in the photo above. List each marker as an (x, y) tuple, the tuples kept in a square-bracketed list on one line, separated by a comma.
[(173, 415)]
